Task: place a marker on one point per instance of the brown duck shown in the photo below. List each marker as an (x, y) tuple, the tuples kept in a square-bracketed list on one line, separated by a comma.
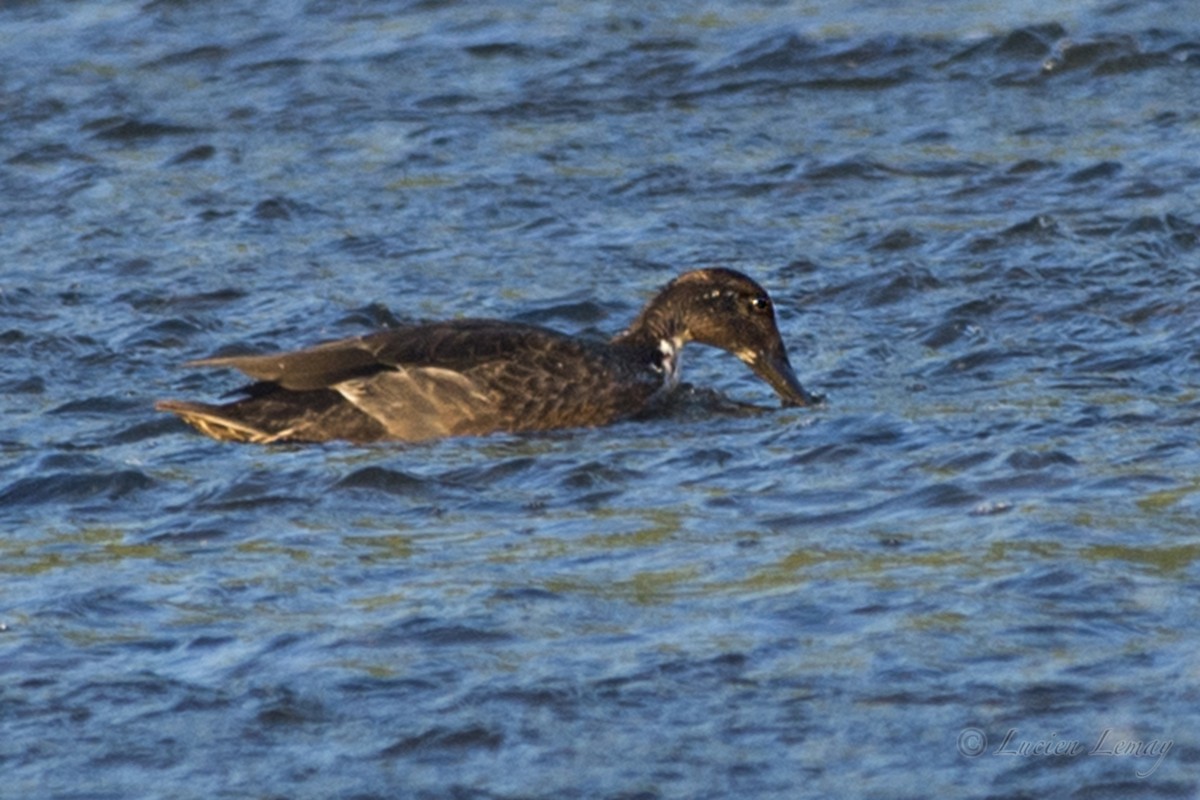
[(478, 376)]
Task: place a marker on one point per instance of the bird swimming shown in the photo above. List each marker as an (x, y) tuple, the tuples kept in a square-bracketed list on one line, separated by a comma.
[(473, 377)]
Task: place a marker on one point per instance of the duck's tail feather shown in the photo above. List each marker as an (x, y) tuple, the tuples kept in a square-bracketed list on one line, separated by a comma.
[(280, 416), (219, 422)]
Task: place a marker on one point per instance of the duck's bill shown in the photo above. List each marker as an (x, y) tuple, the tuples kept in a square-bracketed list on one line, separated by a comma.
[(775, 369)]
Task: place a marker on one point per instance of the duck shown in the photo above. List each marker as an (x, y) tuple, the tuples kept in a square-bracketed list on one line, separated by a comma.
[(473, 377)]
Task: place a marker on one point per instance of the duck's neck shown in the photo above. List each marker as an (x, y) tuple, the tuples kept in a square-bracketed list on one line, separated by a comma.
[(659, 323), (660, 332)]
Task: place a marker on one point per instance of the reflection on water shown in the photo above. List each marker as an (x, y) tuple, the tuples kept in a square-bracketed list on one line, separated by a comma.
[(979, 228)]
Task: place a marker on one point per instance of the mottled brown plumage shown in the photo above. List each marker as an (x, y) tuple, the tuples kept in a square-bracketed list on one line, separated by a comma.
[(474, 377)]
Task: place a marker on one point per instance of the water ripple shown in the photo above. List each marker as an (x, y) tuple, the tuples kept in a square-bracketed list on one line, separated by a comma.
[(980, 240)]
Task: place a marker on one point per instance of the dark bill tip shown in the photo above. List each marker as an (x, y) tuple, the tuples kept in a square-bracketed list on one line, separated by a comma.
[(777, 371)]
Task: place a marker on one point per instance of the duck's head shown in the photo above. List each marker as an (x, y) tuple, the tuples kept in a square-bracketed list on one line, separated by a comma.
[(724, 308)]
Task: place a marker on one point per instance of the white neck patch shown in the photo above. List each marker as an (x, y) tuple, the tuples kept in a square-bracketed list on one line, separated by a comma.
[(671, 350)]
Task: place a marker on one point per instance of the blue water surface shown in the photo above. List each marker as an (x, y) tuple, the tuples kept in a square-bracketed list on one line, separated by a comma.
[(974, 572)]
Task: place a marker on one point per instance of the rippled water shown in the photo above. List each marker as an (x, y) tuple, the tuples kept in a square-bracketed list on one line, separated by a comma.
[(979, 223)]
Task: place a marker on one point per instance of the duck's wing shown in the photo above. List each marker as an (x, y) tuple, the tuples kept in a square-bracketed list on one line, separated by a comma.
[(416, 403), (317, 367), (458, 345), (480, 376)]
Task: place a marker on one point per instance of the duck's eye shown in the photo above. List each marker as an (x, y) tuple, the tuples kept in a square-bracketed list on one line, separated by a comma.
[(761, 304)]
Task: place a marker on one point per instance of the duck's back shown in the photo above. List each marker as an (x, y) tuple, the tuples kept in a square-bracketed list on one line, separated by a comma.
[(426, 381)]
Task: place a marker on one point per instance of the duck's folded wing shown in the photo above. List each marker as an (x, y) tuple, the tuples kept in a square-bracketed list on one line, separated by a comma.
[(317, 367), (418, 403), (457, 345)]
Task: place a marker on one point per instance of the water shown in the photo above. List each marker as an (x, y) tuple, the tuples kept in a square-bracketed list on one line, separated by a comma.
[(973, 573)]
